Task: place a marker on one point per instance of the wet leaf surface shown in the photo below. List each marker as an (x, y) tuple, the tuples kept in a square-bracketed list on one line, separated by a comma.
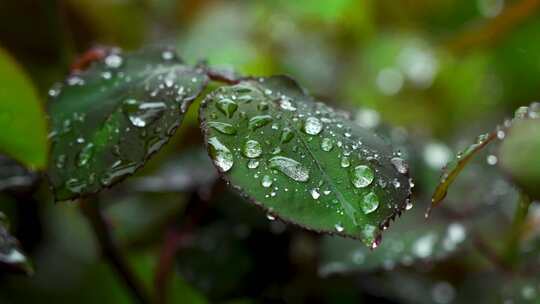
[(22, 119), (12, 258), (109, 119), (303, 161)]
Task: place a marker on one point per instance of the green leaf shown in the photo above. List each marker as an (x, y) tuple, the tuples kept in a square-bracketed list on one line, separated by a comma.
[(411, 240), (303, 161), (462, 159), (520, 155), (12, 257), (22, 120), (108, 120)]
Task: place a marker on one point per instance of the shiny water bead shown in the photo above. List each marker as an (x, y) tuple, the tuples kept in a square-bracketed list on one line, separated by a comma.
[(222, 127), (252, 149), (362, 176), (369, 203), (227, 106), (290, 168), (258, 121), (220, 154), (313, 126)]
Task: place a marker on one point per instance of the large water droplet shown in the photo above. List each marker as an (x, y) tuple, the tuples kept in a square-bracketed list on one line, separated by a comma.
[(252, 149), (113, 61), (222, 127), (369, 203), (362, 176), (221, 155), (327, 144), (142, 114), (290, 167), (345, 162), (266, 181), (227, 106), (256, 122), (313, 126)]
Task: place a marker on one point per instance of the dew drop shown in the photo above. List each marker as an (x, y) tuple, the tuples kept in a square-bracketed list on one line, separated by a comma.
[(270, 217), (345, 162), (266, 181), (290, 168), (491, 160), (113, 61), (369, 203), (256, 122), (362, 176), (252, 149), (253, 164), (313, 126), (286, 135), (222, 127), (142, 114), (221, 155), (339, 227), (227, 106), (85, 155), (315, 194), (327, 144)]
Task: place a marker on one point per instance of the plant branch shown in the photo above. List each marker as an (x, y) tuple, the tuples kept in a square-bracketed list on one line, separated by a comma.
[(174, 238), (111, 252), (487, 33)]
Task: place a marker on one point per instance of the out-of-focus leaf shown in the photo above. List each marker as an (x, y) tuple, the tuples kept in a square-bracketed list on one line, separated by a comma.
[(454, 168), (22, 120), (190, 171), (410, 240), (12, 258), (137, 218), (14, 177), (302, 160), (109, 119), (112, 22), (520, 155)]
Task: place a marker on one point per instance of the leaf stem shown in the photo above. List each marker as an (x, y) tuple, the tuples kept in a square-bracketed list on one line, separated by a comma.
[(516, 231), (90, 208), (174, 238)]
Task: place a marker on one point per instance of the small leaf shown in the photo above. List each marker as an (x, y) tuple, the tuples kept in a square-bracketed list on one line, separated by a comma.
[(303, 161), (454, 168), (411, 240), (22, 119), (519, 155), (12, 257), (108, 120)]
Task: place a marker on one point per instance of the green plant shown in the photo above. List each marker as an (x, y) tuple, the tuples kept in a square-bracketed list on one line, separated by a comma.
[(280, 148)]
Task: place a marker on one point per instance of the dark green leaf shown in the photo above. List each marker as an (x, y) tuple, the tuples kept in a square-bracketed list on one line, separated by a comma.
[(22, 120), (303, 161), (108, 120), (12, 257), (520, 155)]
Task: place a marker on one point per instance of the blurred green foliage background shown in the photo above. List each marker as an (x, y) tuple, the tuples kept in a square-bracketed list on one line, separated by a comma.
[(439, 71)]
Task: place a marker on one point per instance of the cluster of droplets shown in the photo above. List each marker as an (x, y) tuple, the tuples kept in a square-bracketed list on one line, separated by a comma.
[(297, 125), (157, 95)]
